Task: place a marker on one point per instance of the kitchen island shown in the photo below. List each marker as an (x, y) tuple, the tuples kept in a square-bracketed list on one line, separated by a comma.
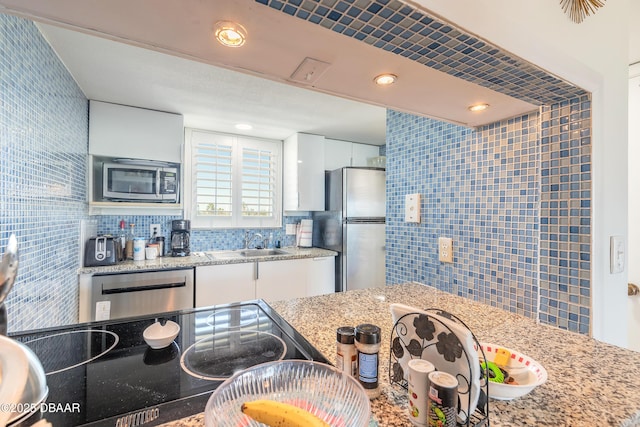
[(590, 383)]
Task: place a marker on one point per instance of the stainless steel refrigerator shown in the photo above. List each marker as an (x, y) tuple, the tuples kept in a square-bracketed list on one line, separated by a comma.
[(353, 225)]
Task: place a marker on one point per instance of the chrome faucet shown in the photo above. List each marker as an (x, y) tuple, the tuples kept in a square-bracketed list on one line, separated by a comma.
[(248, 238)]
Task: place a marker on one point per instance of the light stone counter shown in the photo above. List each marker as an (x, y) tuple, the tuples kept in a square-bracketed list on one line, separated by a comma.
[(205, 258), (590, 383)]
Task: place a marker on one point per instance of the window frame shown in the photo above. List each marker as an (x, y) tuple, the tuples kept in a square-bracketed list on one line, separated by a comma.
[(236, 219)]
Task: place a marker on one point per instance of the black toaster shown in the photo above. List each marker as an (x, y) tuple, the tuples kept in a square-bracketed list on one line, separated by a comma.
[(100, 251)]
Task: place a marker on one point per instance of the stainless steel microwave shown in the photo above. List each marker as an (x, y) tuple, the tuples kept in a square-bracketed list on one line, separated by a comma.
[(144, 181)]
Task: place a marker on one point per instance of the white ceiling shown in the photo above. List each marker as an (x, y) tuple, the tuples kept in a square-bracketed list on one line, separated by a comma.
[(159, 54), (209, 97)]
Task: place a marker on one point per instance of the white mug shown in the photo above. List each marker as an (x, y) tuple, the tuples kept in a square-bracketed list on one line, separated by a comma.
[(151, 252), (419, 370)]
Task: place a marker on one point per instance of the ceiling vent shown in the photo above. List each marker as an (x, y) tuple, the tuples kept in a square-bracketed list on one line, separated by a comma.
[(309, 71)]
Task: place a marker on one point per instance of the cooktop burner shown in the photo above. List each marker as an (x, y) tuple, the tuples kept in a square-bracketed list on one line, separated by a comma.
[(233, 318), (221, 355), (67, 350), (104, 374)]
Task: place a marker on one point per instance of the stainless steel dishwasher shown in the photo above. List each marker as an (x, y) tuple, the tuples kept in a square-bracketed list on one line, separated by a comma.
[(115, 296)]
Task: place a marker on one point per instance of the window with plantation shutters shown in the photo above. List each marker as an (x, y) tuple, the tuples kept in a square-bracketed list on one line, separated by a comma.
[(212, 176), (234, 181), (258, 182)]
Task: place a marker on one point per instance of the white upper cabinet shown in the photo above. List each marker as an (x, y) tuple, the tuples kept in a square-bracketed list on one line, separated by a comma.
[(303, 173), (130, 132), (360, 153), (338, 154)]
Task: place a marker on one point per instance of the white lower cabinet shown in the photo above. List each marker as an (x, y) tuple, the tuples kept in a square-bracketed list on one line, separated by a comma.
[(224, 284), (281, 280), (269, 280), (321, 275)]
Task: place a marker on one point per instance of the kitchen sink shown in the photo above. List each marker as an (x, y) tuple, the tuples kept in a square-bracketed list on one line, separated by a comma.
[(245, 253), (262, 252)]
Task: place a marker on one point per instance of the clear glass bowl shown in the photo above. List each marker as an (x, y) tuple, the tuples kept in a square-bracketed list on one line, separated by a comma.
[(321, 389)]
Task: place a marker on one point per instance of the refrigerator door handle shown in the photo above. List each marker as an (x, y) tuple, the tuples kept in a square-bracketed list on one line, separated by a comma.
[(364, 220)]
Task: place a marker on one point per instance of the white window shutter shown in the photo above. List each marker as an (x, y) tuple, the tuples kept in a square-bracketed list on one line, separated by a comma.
[(235, 181)]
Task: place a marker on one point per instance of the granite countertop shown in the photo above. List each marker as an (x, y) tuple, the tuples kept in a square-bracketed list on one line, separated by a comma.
[(206, 258), (590, 382)]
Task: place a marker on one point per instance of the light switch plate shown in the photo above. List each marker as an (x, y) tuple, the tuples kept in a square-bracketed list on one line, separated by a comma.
[(617, 254), (412, 208), (445, 249)]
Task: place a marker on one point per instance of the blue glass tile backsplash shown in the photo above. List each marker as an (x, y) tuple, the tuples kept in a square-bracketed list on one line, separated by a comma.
[(200, 240), (43, 144), (565, 214), (503, 193), (478, 187)]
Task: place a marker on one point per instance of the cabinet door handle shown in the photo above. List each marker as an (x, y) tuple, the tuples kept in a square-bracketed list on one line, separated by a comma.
[(257, 270)]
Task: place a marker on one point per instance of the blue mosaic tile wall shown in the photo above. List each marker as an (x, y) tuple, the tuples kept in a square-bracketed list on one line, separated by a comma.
[(402, 29), (43, 148), (478, 187), (565, 214), (200, 240), (515, 198)]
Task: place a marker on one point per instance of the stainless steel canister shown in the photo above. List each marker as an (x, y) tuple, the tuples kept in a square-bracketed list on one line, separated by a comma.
[(160, 242)]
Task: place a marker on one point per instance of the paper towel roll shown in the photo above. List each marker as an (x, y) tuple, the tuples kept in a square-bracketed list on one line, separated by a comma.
[(305, 233)]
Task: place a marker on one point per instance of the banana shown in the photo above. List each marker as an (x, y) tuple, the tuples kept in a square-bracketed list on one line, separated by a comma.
[(278, 414)]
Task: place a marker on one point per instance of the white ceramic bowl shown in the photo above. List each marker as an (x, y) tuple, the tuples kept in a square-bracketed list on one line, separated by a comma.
[(321, 389), (158, 336), (528, 373)]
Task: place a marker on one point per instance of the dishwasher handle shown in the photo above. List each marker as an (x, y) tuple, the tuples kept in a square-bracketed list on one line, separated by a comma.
[(110, 290)]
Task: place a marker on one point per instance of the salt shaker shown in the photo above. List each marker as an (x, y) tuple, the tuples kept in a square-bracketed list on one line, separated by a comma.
[(368, 345), (346, 350)]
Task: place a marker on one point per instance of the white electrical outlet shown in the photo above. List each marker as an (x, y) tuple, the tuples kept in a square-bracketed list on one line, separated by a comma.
[(445, 249), (103, 310), (155, 227)]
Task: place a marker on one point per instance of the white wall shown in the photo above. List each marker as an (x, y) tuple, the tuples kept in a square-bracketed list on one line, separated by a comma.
[(634, 204), (593, 55)]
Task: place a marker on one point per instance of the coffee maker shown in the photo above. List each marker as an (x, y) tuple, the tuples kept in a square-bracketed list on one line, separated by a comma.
[(180, 231)]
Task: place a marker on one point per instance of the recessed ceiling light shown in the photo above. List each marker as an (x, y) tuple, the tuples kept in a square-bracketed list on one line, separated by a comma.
[(478, 107), (243, 126), (230, 34), (385, 79)]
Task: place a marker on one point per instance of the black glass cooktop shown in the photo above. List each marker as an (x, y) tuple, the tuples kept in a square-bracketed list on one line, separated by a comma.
[(104, 374)]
